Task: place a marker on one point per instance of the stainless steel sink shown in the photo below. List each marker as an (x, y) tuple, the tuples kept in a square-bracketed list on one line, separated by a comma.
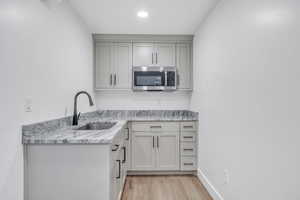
[(97, 126)]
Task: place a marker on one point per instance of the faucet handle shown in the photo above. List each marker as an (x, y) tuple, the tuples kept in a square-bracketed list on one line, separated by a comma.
[(78, 116)]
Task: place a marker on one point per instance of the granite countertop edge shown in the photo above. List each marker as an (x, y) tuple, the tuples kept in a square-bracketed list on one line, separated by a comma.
[(59, 131)]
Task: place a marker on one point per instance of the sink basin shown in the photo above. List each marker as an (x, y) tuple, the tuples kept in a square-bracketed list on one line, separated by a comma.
[(96, 126)]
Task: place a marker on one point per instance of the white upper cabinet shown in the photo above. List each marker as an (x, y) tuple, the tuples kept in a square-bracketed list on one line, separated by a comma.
[(122, 65), (103, 65), (146, 54), (116, 54), (113, 65), (165, 54), (184, 66), (143, 54)]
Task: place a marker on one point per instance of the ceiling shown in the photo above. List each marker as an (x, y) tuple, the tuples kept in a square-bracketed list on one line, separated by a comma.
[(165, 16)]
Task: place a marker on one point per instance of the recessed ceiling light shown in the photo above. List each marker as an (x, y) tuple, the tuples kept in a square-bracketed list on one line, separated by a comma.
[(142, 14)]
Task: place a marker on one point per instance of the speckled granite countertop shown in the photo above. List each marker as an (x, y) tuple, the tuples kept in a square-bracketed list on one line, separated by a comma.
[(60, 131)]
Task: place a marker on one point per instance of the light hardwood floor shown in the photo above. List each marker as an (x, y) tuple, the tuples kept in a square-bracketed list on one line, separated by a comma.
[(164, 188)]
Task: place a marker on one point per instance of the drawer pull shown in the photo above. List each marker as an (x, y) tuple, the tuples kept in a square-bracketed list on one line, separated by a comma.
[(188, 126), (190, 164), (124, 155), (188, 137), (188, 149), (119, 169), (155, 127), (127, 133)]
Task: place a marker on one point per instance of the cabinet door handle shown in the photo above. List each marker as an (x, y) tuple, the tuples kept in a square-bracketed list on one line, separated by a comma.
[(188, 126), (188, 164), (127, 134), (110, 81), (152, 58), (156, 58), (115, 79), (124, 155), (155, 126), (153, 141), (188, 137), (157, 142), (188, 149), (119, 173), (178, 79)]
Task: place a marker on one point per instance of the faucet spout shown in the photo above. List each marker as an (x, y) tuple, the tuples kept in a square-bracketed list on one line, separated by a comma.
[(76, 115)]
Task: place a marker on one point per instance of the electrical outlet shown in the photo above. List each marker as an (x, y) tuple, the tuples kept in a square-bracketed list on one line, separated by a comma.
[(226, 176), (28, 105)]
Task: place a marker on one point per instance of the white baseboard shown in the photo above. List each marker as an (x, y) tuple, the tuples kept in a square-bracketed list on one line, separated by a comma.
[(209, 187)]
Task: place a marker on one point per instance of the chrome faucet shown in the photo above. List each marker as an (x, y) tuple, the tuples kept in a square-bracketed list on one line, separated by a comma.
[(75, 115)]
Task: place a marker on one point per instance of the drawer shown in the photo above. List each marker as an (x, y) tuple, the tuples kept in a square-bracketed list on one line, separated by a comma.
[(155, 126), (188, 137), (188, 126), (188, 149), (188, 163)]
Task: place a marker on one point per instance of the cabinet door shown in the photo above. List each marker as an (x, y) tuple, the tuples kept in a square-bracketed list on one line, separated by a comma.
[(104, 66), (124, 161), (143, 54), (168, 151), (122, 65), (114, 181), (184, 66), (119, 175), (143, 152), (165, 54)]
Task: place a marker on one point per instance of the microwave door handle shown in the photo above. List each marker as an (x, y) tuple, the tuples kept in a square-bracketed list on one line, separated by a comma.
[(166, 78)]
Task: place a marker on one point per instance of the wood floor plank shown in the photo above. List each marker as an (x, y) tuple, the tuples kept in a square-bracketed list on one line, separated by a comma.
[(164, 188)]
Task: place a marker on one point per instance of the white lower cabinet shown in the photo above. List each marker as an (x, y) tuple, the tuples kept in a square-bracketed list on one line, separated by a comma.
[(116, 177), (155, 151), (188, 146), (143, 151), (163, 146), (167, 151), (119, 164), (75, 171), (157, 147)]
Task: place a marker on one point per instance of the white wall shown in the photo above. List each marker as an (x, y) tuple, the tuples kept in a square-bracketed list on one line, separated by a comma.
[(143, 100), (45, 56), (247, 92)]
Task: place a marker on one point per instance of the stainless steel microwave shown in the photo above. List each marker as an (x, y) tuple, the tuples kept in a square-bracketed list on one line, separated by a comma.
[(154, 78)]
